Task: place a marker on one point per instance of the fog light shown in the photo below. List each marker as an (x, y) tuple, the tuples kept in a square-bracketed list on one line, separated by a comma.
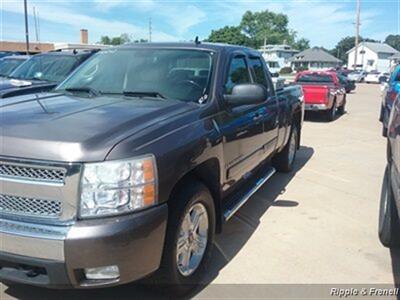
[(102, 273)]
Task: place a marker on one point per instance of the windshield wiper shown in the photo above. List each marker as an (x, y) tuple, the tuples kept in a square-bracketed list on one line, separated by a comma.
[(143, 94), (83, 89)]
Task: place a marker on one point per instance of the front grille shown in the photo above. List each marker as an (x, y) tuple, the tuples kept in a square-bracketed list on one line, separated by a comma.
[(54, 175), (29, 206)]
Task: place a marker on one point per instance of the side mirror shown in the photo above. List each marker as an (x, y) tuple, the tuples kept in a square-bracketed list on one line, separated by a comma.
[(246, 94)]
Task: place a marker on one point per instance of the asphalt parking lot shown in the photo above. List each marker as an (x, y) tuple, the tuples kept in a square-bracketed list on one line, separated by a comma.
[(316, 225)]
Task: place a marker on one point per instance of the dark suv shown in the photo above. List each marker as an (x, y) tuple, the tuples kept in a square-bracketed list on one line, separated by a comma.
[(42, 72), (389, 223)]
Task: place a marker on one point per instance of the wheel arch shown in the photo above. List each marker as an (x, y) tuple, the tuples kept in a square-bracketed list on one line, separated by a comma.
[(209, 174)]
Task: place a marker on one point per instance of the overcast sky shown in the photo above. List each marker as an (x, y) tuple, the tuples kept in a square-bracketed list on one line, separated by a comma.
[(323, 22)]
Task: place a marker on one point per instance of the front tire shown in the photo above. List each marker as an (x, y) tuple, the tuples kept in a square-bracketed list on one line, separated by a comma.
[(284, 160), (389, 225), (189, 239)]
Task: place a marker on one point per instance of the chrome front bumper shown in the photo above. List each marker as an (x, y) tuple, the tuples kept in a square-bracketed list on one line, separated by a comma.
[(56, 256), (33, 240)]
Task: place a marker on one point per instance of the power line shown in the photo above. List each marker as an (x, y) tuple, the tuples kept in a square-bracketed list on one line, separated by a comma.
[(150, 30)]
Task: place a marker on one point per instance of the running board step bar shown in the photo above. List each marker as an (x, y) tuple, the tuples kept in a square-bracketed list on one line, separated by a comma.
[(243, 197)]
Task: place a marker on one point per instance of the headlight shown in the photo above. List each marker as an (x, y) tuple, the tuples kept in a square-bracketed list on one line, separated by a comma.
[(115, 187)]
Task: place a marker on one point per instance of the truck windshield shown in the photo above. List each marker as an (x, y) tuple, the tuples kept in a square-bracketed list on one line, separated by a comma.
[(53, 68), (318, 78), (7, 65), (173, 73)]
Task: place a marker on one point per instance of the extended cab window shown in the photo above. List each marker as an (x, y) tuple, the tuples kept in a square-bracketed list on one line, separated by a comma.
[(238, 73), (317, 78)]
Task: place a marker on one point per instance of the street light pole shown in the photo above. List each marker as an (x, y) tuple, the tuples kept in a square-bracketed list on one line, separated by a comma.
[(26, 26), (357, 33)]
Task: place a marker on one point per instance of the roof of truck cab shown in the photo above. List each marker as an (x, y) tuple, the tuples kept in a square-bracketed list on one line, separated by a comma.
[(18, 57), (187, 45)]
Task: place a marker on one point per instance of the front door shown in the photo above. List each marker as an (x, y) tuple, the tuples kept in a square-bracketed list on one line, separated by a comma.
[(242, 127)]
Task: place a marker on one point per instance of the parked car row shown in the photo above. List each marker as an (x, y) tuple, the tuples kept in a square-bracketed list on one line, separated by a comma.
[(128, 165), (134, 161), (9, 63), (38, 73)]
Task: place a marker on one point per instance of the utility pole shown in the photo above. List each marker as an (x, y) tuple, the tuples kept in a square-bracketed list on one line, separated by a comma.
[(357, 32), (36, 24), (26, 26), (150, 30)]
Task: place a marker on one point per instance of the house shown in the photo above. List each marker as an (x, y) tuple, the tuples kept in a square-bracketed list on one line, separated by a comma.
[(371, 57), (394, 60), (277, 56), (314, 59)]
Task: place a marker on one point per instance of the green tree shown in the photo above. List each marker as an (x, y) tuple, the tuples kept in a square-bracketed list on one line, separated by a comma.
[(301, 44), (346, 44), (229, 35), (267, 27), (117, 40), (393, 40)]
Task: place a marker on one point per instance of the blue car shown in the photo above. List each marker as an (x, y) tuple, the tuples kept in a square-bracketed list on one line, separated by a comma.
[(392, 91), (389, 222)]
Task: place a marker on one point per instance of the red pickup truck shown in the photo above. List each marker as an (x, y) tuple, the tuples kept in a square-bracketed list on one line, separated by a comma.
[(322, 92)]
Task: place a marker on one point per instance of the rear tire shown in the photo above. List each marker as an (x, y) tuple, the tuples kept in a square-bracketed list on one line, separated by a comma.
[(331, 113), (176, 274), (342, 109), (284, 160), (389, 225)]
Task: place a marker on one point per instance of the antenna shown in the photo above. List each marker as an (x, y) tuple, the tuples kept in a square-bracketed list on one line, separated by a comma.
[(196, 40), (150, 30), (358, 11)]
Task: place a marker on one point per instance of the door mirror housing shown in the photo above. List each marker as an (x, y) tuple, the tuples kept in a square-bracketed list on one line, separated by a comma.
[(246, 94)]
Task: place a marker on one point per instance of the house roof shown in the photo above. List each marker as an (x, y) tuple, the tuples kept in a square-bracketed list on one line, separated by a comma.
[(376, 47), (275, 48), (314, 55)]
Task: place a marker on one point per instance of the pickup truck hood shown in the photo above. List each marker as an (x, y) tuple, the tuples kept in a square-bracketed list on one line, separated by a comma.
[(65, 128), (14, 87)]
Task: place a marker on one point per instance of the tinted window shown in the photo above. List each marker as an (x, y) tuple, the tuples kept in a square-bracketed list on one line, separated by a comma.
[(259, 72), (8, 65), (54, 68), (318, 78), (173, 73), (238, 73)]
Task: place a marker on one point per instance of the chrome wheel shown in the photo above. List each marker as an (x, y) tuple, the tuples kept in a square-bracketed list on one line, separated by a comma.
[(293, 146), (192, 239)]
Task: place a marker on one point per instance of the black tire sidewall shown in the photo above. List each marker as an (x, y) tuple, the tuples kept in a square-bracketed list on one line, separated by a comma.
[(281, 161), (388, 223), (186, 198)]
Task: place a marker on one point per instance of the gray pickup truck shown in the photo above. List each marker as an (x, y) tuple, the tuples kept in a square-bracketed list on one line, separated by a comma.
[(133, 163)]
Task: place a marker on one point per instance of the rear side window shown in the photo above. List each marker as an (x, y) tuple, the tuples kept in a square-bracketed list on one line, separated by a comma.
[(259, 73), (238, 73), (317, 78)]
